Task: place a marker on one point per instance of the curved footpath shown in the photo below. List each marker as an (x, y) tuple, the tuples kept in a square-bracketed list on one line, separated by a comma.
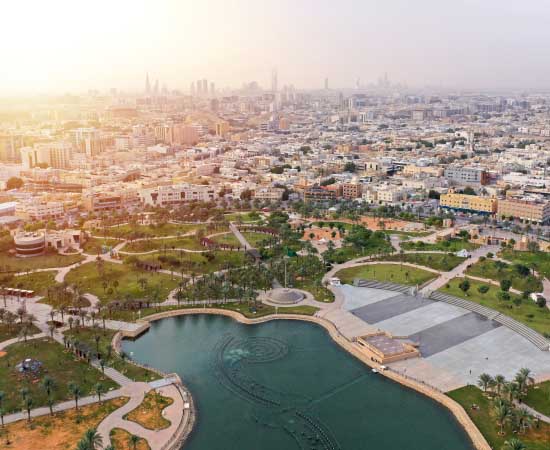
[(458, 411)]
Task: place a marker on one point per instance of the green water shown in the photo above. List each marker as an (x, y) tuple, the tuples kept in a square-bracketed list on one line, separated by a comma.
[(287, 385)]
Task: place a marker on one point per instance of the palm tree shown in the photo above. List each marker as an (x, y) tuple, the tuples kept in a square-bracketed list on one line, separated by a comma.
[(524, 379), (502, 414), (484, 381), (522, 419), (99, 389), (75, 391), (513, 444), (500, 382), (27, 404), (134, 441), (93, 439), (48, 384)]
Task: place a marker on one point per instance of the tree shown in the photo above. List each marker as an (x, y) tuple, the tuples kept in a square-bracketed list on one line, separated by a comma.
[(134, 441), (499, 384), (505, 285), (514, 444), (14, 183), (464, 286), (484, 381), (502, 414), (483, 289), (350, 167), (93, 439), (99, 390), (48, 385), (541, 301), (27, 404), (75, 391)]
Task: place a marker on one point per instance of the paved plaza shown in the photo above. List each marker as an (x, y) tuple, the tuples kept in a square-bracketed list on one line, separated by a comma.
[(456, 345)]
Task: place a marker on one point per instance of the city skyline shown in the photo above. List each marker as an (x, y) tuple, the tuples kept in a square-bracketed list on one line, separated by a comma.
[(472, 45)]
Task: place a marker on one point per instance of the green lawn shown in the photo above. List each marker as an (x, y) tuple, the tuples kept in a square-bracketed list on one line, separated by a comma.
[(490, 269), (10, 263), (12, 331), (349, 252), (540, 261), (37, 281), (386, 272), (88, 335), (452, 245), (483, 418), (128, 231), (436, 261), (245, 217), (526, 312), (196, 262), (91, 278), (406, 234), (93, 245), (538, 397), (188, 242), (227, 239), (257, 239), (60, 365), (243, 308)]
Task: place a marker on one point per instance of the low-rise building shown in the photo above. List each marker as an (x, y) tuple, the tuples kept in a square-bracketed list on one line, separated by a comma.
[(531, 210), (469, 203)]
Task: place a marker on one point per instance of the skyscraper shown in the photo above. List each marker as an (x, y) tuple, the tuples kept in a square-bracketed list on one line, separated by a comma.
[(156, 88), (205, 86), (274, 81), (326, 84), (193, 89), (147, 84)]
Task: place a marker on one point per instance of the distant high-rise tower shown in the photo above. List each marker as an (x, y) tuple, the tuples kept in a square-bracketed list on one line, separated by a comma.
[(205, 87), (147, 84), (192, 88), (212, 89), (156, 88), (274, 81), (326, 84)]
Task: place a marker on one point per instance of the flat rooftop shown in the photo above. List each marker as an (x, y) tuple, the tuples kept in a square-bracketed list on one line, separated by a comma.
[(385, 344)]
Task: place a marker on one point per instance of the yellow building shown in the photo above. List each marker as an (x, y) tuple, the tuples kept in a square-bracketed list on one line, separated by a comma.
[(463, 202)]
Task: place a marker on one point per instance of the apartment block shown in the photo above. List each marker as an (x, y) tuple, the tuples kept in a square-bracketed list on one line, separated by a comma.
[(532, 210), (474, 203)]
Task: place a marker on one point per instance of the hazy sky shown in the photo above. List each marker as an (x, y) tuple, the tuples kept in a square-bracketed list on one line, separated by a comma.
[(74, 45)]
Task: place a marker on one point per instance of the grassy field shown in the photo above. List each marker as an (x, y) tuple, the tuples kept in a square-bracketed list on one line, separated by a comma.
[(12, 331), (188, 242), (60, 365), (490, 269), (256, 239), (243, 308), (196, 262), (452, 245), (436, 261), (37, 282), (227, 239), (10, 263), (93, 245), (149, 413), (540, 261), (127, 231), (91, 278), (526, 312), (386, 272), (246, 217), (483, 418), (120, 439), (538, 397), (62, 431), (87, 336)]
